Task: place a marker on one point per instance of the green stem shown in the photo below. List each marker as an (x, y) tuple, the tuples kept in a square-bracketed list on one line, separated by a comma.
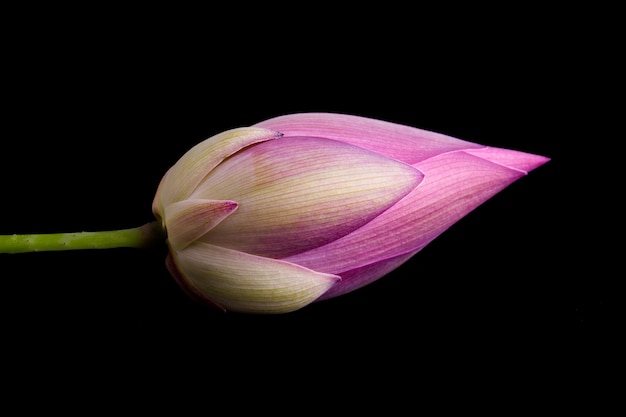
[(138, 237)]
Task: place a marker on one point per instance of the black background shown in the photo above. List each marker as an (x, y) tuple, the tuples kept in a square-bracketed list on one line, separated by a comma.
[(95, 114)]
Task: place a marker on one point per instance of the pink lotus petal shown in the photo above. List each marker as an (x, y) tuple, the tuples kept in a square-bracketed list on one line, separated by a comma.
[(295, 194), (521, 161), (359, 277), (454, 185), (403, 143)]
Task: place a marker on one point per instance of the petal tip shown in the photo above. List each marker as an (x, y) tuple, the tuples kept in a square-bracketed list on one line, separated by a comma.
[(512, 159)]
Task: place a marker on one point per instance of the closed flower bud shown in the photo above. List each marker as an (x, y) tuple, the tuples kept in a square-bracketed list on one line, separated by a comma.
[(305, 207)]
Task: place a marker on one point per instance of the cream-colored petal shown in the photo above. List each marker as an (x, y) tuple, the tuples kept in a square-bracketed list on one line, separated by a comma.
[(296, 194), (247, 283), (182, 178), (188, 220)]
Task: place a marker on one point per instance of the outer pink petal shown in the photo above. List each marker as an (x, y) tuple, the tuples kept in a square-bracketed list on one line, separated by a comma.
[(454, 185), (521, 161), (359, 277), (404, 143)]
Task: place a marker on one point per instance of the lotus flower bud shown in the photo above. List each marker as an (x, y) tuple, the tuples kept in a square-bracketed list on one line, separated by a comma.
[(305, 207)]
